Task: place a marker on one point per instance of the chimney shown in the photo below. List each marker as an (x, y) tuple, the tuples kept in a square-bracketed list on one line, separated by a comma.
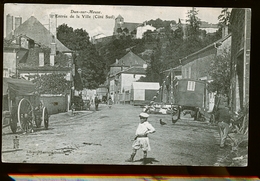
[(9, 24), (224, 31), (17, 21), (53, 51), (53, 24)]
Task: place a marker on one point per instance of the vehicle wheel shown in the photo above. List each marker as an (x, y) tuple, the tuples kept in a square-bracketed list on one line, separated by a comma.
[(25, 114), (45, 117), (175, 114)]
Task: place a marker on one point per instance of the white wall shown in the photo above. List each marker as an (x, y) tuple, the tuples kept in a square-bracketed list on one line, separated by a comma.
[(128, 79), (9, 62), (225, 44), (142, 29)]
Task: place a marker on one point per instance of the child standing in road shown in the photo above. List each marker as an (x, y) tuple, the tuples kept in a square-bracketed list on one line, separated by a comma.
[(141, 139)]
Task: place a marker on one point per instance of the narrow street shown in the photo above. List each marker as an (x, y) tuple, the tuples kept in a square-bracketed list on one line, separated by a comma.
[(105, 137)]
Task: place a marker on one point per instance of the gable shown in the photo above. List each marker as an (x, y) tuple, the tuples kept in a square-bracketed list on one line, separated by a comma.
[(131, 59), (34, 30)]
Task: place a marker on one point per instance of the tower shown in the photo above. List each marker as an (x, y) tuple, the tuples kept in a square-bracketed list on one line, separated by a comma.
[(119, 21)]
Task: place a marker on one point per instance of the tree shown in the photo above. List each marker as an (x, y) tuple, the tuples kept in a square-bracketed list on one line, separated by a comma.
[(220, 73), (224, 17), (92, 66), (154, 68), (77, 39), (51, 84), (194, 23), (86, 57)]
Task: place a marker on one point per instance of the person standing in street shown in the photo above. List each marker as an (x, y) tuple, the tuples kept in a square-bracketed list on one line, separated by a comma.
[(96, 102), (141, 140), (110, 102), (223, 119)]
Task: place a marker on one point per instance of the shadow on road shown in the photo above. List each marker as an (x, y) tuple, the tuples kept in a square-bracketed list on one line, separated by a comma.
[(148, 160)]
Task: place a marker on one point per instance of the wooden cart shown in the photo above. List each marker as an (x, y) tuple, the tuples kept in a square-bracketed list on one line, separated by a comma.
[(188, 94), (21, 106)]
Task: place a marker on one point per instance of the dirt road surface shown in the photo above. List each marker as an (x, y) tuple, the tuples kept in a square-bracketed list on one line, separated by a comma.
[(105, 137)]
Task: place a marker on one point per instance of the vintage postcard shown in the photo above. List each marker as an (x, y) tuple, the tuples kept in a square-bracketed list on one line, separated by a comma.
[(125, 85)]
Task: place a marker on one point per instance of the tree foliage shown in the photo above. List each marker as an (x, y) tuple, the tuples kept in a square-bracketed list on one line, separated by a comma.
[(51, 84), (158, 23), (77, 39), (224, 17), (220, 73), (92, 66), (86, 57)]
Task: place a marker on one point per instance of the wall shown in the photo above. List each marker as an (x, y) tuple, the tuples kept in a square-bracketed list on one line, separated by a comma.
[(141, 30), (55, 103), (199, 65), (9, 62), (240, 55), (128, 79)]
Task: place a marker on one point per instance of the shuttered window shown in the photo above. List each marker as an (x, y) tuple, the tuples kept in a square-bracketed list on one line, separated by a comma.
[(191, 86)]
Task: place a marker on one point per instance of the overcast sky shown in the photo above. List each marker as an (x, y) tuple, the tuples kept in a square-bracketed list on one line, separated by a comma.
[(134, 14)]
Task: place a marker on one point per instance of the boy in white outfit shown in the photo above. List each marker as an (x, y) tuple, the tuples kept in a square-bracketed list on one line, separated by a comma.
[(141, 140)]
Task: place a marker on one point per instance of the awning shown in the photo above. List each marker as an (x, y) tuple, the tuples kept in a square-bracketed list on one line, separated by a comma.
[(18, 86)]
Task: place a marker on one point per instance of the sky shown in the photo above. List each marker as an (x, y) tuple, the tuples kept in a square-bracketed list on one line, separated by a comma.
[(98, 22)]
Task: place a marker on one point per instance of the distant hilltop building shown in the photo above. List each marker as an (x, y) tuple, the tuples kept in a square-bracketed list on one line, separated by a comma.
[(140, 30), (208, 27), (122, 26)]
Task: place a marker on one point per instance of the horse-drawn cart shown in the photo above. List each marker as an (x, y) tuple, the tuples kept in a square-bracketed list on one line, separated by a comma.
[(21, 106)]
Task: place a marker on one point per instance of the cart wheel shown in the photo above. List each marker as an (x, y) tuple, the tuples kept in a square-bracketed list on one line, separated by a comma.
[(25, 114), (175, 114), (45, 117)]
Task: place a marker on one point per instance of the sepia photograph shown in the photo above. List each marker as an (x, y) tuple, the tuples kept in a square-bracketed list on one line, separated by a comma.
[(125, 85)]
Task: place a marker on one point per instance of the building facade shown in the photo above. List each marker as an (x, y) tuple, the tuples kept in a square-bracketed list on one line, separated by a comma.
[(196, 65), (240, 20), (123, 72)]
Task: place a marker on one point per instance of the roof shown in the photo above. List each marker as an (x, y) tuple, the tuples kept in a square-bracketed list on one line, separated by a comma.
[(128, 60), (34, 30), (131, 26), (204, 49), (119, 16), (146, 85), (19, 86), (134, 70), (44, 68)]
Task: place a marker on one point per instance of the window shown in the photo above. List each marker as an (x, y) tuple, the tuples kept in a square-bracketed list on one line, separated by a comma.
[(191, 86), (189, 72)]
